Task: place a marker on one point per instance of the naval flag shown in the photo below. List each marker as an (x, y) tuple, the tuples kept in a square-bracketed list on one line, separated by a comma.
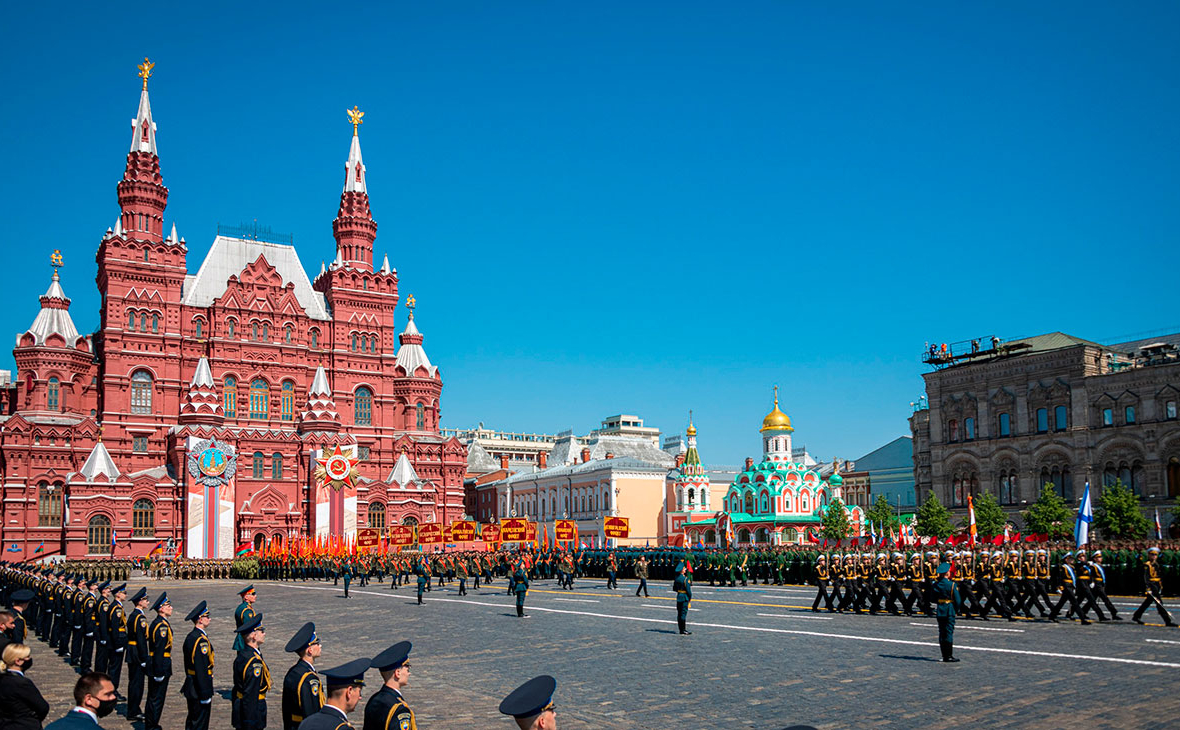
[(1159, 532), (1081, 529)]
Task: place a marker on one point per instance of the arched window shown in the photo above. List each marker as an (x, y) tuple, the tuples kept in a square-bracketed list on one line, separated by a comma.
[(362, 407), (790, 535), (48, 505), (143, 518), (200, 327), (131, 321), (52, 393), (254, 331), (229, 397), (804, 502), (1005, 424), (692, 494), (710, 537), (377, 515), (764, 503), (155, 323), (420, 416), (143, 322), (288, 401), (1042, 420), (1129, 414), (1008, 486), (266, 332), (232, 326), (141, 392), (276, 466), (744, 535), (952, 430), (761, 535), (98, 535), (749, 504), (410, 521), (354, 342), (287, 334), (1060, 418), (315, 338), (257, 463), (259, 399), (969, 429)]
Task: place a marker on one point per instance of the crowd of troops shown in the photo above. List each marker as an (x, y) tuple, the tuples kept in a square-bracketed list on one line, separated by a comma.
[(83, 618)]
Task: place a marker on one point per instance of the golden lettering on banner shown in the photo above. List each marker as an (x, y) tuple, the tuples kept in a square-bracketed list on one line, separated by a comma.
[(531, 532), (616, 527), (514, 529), (490, 532), (565, 530), (367, 538), (430, 533), (462, 531), (401, 535)]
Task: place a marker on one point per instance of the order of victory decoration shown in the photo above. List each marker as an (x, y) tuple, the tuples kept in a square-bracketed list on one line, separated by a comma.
[(212, 463), (337, 470)]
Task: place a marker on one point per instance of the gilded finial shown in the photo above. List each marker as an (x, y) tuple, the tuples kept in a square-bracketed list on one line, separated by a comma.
[(355, 115), (145, 71), (55, 260), (776, 396), (411, 302)]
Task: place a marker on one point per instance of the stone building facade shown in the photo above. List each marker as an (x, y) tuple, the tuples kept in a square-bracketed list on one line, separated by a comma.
[(1051, 409)]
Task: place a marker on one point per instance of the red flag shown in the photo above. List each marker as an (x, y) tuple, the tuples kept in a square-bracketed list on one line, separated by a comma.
[(998, 540), (1016, 538), (811, 537), (825, 543), (932, 541), (855, 541)]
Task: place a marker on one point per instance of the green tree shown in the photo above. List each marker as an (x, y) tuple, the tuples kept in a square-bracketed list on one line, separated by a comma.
[(933, 519), (989, 516), (880, 514), (1118, 515), (834, 523), (1049, 515)]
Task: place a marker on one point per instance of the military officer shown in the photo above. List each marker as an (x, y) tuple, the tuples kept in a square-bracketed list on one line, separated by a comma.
[(946, 597), (344, 684), (251, 678), (822, 577), (423, 579), (20, 601), (531, 704), (520, 585), (683, 587), (1152, 589), (160, 663), (302, 694), (116, 622), (641, 574), (243, 613), (1098, 575), (89, 626), (198, 670), (387, 709), (102, 649), (138, 654), (1068, 581)]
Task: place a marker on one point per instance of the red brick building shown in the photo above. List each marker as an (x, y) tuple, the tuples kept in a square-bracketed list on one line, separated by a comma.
[(196, 410)]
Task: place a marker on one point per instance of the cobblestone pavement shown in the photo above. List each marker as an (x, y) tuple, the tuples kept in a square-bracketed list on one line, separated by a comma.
[(757, 658)]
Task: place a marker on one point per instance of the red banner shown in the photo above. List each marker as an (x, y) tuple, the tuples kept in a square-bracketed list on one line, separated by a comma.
[(367, 538), (447, 534), (565, 530), (514, 529), (490, 532), (616, 527), (430, 533), (401, 535), (462, 531), (531, 533)]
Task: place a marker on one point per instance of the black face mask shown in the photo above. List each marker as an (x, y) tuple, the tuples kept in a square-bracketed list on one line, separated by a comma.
[(28, 664), (105, 707)]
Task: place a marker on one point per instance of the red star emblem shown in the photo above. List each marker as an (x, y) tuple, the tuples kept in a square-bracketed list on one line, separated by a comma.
[(337, 469)]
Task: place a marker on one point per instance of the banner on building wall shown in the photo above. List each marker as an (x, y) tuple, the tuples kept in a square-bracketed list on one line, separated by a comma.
[(490, 532), (401, 535), (462, 531), (514, 529), (367, 538), (616, 527), (565, 530), (430, 533)]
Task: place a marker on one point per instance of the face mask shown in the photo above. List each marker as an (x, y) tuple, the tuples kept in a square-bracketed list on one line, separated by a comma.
[(105, 707), (28, 664)]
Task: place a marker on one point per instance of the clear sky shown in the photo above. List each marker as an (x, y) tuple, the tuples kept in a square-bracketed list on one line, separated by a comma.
[(640, 207)]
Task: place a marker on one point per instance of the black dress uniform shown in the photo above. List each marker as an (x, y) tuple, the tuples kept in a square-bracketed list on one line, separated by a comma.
[(198, 673), (24, 707), (946, 597), (138, 655), (243, 613), (89, 629), (159, 669), (1152, 589), (102, 648), (331, 717), (251, 682), (387, 709), (302, 694), (683, 587), (20, 629), (531, 698), (116, 636)]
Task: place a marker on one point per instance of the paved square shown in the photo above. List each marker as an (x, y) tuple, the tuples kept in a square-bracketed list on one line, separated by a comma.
[(757, 658)]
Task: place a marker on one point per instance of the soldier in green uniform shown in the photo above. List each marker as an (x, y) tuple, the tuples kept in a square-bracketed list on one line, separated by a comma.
[(243, 613), (683, 587), (946, 597), (520, 578)]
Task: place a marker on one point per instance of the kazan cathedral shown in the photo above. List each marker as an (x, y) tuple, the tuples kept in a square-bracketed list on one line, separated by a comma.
[(773, 502), (244, 403)]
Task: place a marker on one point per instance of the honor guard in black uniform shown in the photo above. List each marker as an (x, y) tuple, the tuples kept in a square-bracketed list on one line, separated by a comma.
[(531, 704), (116, 622), (822, 576), (1153, 589), (138, 654), (520, 583), (1068, 581), (946, 597), (198, 670), (251, 678), (89, 627), (20, 601), (159, 669), (243, 613), (302, 694), (387, 709), (683, 587), (343, 685), (1098, 576), (102, 643), (78, 633)]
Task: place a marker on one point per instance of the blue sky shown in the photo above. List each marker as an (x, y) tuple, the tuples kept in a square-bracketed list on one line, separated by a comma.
[(641, 207)]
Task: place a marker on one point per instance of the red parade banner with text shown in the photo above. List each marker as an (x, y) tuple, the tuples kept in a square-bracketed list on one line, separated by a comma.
[(514, 529), (430, 533), (565, 530), (490, 533), (401, 535), (367, 538), (530, 534), (616, 527), (462, 531)]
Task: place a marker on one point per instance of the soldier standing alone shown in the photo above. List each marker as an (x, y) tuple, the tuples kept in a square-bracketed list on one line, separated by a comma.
[(946, 597)]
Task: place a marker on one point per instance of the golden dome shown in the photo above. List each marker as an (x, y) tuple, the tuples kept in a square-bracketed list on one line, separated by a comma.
[(692, 430), (776, 420)]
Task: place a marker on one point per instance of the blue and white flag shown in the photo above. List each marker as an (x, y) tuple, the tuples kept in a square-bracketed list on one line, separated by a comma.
[(1159, 531), (873, 532), (1081, 529)]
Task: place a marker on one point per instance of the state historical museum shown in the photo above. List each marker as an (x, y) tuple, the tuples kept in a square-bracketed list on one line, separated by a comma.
[(243, 403)]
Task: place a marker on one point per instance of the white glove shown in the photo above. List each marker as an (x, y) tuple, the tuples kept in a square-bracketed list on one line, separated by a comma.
[(157, 679), (143, 665), (100, 641), (205, 702)]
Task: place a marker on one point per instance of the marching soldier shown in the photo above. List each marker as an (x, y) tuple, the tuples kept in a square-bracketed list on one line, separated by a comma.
[(1098, 576), (138, 655), (1068, 581), (1152, 589), (302, 694), (344, 685), (531, 704), (387, 708), (641, 573), (822, 577), (251, 678), (1085, 593), (243, 613), (160, 663), (198, 670), (913, 579)]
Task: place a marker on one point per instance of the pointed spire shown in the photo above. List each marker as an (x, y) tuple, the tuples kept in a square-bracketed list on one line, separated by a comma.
[(691, 457), (321, 413), (412, 355), (143, 134), (354, 175), (202, 404), (403, 473), (354, 227), (99, 462), (119, 226), (385, 265), (54, 317), (172, 236), (323, 269)]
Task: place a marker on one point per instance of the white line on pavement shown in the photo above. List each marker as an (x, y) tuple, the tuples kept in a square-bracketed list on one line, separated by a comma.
[(797, 632), (787, 615), (670, 605), (973, 628), (579, 600), (1161, 641)]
